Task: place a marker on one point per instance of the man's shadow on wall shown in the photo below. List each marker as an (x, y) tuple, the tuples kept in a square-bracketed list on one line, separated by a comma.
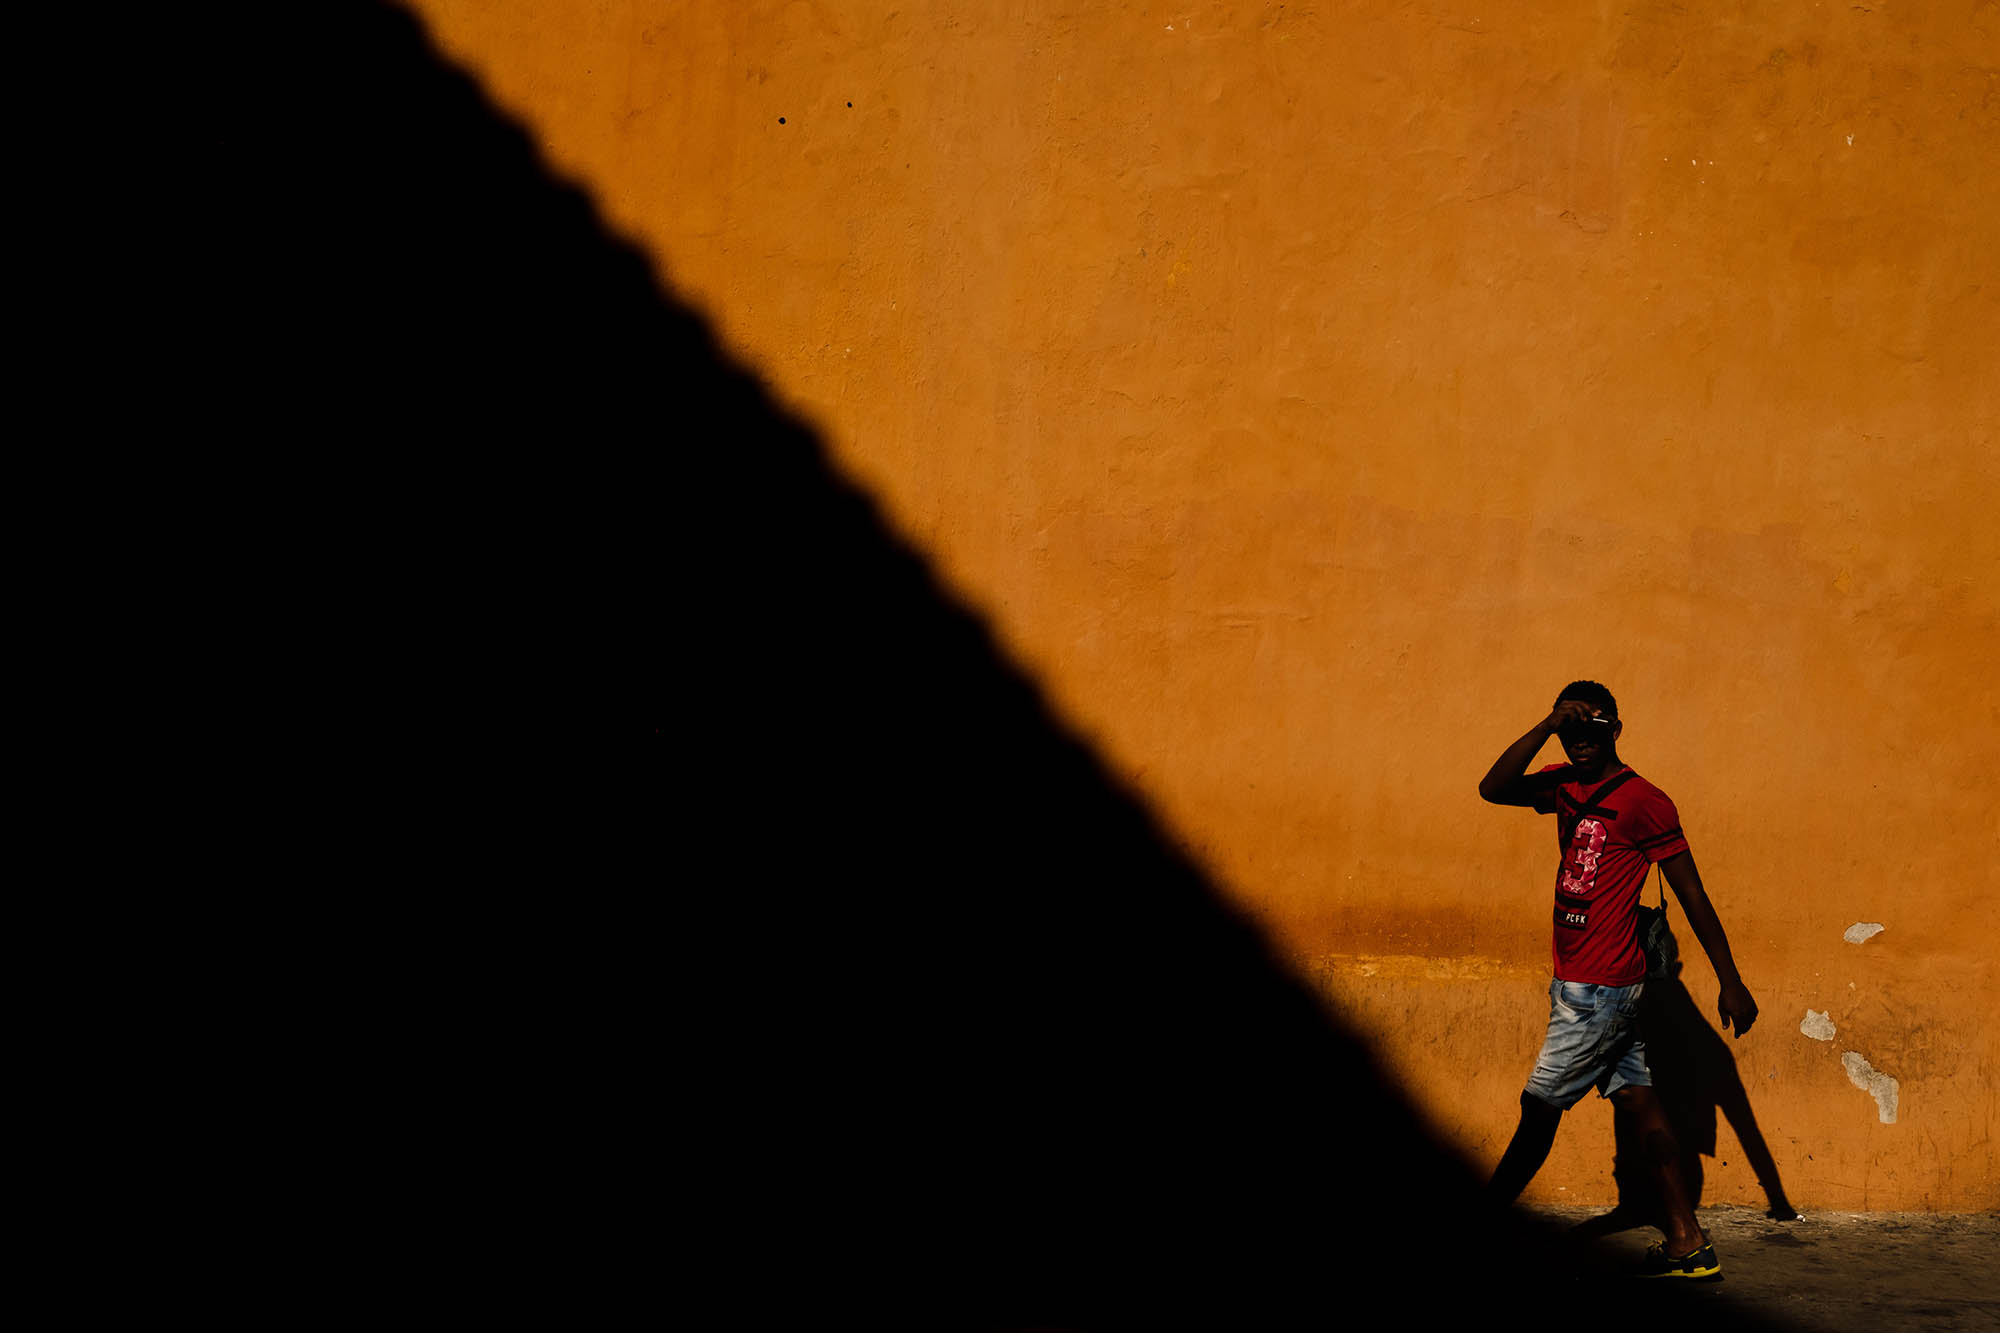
[(780, 946), (1695, 1076)]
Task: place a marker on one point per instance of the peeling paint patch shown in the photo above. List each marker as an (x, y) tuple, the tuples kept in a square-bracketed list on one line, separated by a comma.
[(1818, 1025), (1862, 930), (1873, 1082)]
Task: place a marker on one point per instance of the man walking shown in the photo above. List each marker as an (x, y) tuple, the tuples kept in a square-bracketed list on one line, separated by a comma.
[(1612, 826)]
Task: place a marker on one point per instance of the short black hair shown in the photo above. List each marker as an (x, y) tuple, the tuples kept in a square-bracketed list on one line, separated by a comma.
[(1590, 692)]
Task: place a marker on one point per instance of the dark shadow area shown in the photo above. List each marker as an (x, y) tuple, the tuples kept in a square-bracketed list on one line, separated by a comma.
[(730, 923), (1694, 1073)]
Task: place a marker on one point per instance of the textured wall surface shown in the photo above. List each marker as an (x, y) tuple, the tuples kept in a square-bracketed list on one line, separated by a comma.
[(1307, 391)]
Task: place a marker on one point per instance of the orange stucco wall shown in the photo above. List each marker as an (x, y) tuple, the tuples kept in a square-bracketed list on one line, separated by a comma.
[(1308, 390)]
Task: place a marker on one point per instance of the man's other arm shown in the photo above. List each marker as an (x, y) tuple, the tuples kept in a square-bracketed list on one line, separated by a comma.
[(1735, 1004)]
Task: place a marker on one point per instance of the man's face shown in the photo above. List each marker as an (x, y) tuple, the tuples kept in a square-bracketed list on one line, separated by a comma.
[(1585, 742)]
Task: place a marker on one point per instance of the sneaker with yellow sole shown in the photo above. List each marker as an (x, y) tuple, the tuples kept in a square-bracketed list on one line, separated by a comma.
[(1702, 1265)]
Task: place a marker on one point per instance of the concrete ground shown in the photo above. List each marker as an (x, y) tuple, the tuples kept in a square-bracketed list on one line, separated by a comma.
[(1835, 1271)]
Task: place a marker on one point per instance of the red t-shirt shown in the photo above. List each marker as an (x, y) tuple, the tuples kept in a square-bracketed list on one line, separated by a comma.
[(1610, 835)]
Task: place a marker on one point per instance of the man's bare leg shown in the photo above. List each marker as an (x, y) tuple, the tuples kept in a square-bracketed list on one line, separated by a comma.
[(1656, 1140), (1533, 1138)]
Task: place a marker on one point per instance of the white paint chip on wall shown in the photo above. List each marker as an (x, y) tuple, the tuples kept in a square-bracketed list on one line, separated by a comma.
[(1862, 930), (1873, 1082), (1818, 1025)]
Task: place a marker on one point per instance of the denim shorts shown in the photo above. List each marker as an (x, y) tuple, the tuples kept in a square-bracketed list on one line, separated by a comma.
[(1593, 1041)]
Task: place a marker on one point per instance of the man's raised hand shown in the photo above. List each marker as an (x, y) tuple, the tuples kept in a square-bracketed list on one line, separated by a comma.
[(1567, 711)]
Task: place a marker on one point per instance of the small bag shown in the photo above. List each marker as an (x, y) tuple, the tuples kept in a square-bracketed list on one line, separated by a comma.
[(1656, 939)]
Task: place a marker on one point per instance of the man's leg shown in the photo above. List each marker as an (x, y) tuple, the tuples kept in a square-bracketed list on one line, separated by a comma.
[(1533, 1138), (1662, 1153)]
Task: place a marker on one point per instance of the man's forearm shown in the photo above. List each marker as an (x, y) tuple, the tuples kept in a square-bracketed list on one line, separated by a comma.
[(1736, 1005), (1514, 760), (1708, 929), (1681, 873)]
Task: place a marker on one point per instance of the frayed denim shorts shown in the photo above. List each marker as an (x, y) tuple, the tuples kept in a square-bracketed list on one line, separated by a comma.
[(1593, 1041)]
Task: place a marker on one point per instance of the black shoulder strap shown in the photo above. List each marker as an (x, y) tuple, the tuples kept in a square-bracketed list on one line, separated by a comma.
[(1572, 812), (1592, 804)]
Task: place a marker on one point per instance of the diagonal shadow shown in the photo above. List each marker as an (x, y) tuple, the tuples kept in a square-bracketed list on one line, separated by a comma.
[(784, 950)]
